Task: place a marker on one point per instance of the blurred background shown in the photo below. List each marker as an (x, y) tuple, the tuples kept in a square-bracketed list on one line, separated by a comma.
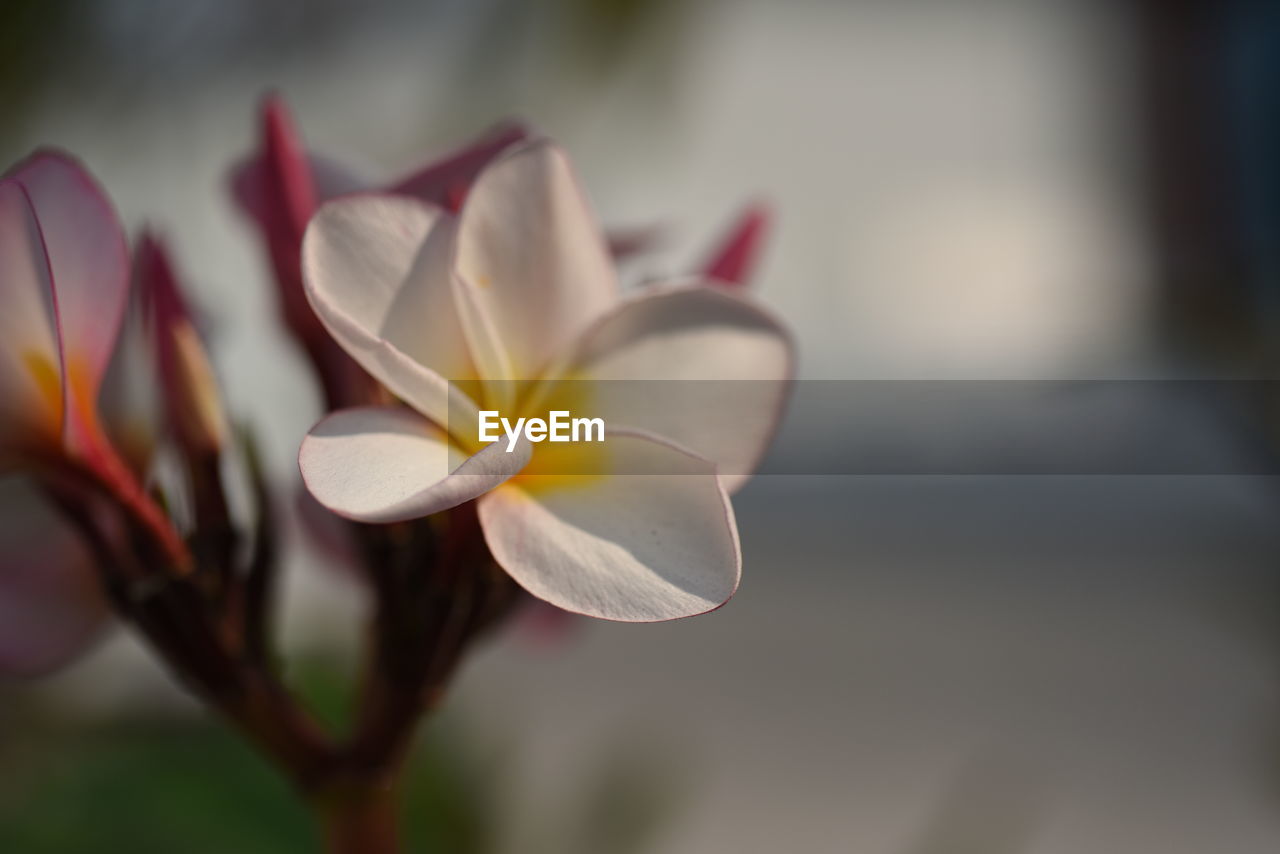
[(965, 190)]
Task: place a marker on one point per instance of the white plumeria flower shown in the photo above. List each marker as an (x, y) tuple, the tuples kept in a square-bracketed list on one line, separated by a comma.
[(447, 311)]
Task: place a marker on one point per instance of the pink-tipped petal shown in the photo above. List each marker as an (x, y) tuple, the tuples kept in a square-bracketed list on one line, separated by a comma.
[(446, 181), (89, 263), (388, 464), (158, 283), (531, 252), (280, 184), (288, 165), (30, 366), (277, 188), (131, 404), (51, 606), (700, 366), (734, 259), (190, 389), (651, 539)]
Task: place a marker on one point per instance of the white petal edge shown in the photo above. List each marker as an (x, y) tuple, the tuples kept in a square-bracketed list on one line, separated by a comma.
[(630, 547), (389, 464), (533, 254), (358, 253), (422, 319), (703, 367)]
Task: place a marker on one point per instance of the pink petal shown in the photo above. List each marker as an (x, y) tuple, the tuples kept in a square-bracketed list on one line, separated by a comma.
[(280, 185), (89, 266), (446, 181), (30, 365), (650, 537), (131, 402), (191, 394), (733, 261), (51, 605), (277, 188), (289, 169)]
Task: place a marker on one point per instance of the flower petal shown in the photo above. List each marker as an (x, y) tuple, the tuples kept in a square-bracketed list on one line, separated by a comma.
[(447, 180), (531, 251), (279, 187), (291, 186), (51, 607), (269, 184), (713, 372), (190, 389), (733, 261), (30, 367), (88, 260), (629, 546), (422, 320), (368, 257), (388, 464), (132, 402)]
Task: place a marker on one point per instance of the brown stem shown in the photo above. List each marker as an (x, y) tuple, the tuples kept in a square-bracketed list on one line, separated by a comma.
[(215, 539), (359, 820), (102, 470), (260, 579), (432, 597), (173, 616), (428, 595)]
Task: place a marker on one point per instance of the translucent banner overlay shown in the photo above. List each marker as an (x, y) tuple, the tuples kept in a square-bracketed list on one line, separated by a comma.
[(868, 427)]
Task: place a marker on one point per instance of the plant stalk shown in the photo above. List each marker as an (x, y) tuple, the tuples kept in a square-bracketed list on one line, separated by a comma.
[(360, 819)]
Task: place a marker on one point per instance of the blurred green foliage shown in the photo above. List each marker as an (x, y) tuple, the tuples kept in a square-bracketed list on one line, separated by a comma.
[(148, 787), (163, 783), (159, 782), (158, 786)]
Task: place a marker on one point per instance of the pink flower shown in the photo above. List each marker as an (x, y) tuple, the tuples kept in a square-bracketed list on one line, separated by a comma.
[(64, 278), (64, 303), (51, 603), (62, 297)]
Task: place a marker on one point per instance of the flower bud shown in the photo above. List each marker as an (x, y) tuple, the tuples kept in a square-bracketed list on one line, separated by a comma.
[(192, 400)]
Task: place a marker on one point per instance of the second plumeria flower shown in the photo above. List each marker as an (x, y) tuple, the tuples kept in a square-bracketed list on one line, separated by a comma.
[(515, 291)]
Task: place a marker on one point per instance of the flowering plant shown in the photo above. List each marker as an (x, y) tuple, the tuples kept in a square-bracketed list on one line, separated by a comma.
[(481, 283)]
